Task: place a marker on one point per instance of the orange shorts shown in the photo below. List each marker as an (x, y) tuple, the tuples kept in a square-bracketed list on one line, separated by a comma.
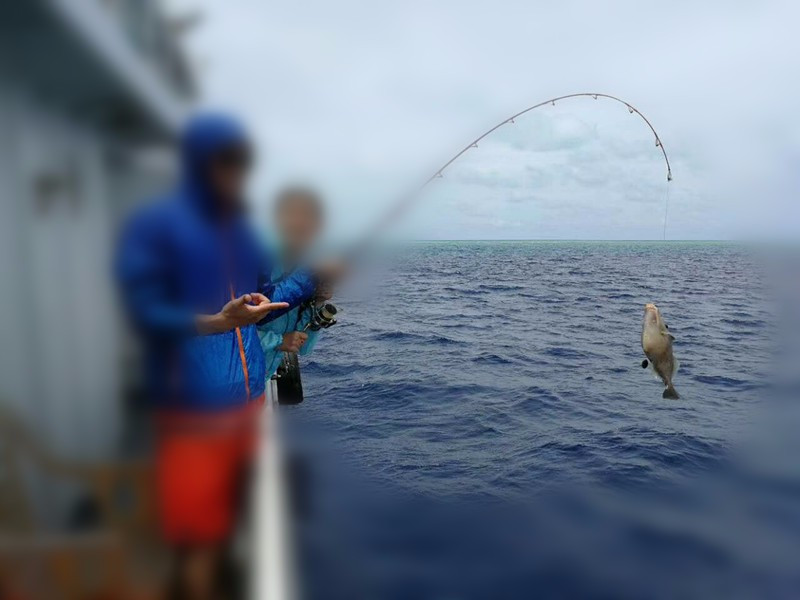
[(202, 467)]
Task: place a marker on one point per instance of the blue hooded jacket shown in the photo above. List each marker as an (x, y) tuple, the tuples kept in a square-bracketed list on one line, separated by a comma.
[(179, 258)]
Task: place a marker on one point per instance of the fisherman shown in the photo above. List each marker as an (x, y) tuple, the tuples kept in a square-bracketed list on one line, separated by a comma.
[(298, 219), (195, 282)]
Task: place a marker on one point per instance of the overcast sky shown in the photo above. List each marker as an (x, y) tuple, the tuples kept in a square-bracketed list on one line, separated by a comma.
[(366, 98)]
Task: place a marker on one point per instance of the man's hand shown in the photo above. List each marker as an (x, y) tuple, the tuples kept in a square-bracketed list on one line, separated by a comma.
[(241, 311), (293, 341)]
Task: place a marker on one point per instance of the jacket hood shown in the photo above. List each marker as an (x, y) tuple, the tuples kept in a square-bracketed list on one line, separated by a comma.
[(204, 136)]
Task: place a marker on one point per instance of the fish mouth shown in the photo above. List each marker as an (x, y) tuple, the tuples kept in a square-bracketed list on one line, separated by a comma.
[(650, 306)]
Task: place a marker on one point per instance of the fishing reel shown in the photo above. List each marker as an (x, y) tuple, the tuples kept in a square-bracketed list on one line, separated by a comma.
[(322, 317), (290, 384)]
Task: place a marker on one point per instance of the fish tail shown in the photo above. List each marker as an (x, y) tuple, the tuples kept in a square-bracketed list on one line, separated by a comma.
[(670, 393)]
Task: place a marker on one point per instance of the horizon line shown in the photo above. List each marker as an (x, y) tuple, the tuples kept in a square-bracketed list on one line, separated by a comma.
[(571, 240)]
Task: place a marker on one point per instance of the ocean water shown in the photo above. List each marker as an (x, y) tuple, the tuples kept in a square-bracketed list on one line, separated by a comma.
[(479, 426)]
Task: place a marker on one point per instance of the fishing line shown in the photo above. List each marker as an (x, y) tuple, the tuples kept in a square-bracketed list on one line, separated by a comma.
[(666, 212), (406, 201)]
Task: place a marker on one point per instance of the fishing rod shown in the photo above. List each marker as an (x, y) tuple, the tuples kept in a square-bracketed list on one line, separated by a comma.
[(290, 390), (406, 201)]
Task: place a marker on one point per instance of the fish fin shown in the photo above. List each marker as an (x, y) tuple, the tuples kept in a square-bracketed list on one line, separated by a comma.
[(676, 364), (670, 393), (645, 362)]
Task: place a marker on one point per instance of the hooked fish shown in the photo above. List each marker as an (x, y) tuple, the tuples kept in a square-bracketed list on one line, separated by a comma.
[(657, 346)]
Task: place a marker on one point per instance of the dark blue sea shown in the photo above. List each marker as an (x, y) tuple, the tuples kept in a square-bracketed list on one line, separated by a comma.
[(478, 425)]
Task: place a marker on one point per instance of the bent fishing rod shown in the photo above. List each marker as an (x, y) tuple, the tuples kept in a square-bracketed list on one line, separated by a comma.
[(396, 210), (323, 316)]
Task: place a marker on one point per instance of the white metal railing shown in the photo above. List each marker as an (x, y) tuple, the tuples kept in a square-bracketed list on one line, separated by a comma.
[(272, 574)]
